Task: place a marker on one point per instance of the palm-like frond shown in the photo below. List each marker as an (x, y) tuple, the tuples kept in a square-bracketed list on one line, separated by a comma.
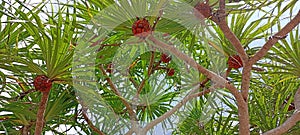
[(285, 56), (271, 93)]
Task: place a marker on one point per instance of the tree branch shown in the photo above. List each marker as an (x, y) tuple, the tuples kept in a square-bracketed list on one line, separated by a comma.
[(175, 108), (246, 76), (263, 51), (95, 129), (290, 122), (86, 118), (274, 39), (116, 91), (220, 81), (297, 99), (40, 114), (150, 68), (190, 61), (220, 19)]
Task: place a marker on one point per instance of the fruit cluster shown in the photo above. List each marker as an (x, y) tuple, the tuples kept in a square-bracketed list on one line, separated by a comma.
[(171, 72), (42, 83), (234, 62), (109, 68), (141, 28), (165, 58), (291, 105)]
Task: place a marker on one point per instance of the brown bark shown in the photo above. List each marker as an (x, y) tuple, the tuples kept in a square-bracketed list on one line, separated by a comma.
[(274, 39), (40, 121), (116, 91), (86, 118), (175, 108), (220, 81), (220, 19)]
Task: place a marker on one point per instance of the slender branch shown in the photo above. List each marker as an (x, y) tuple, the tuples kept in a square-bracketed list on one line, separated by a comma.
[(26, 129), (135, 84), (135, 127), (175, 108), (133, 118), (157, 19), (233, 40), (172, 111), (151, 63), (23, 94), (282, 33), (202, 84), (40, 121), (130, 78), (220, 81), (190, 61), (116, 91), (220, 19), (86, 118), (290, 122), (150, 67), (244, 120), (263, 51)]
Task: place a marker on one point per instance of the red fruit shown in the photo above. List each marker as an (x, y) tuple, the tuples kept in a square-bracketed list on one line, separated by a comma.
[(42, 83), (171, 72), (291, 107), (165, 58), (109, 68), (204, 9), (235, 62), (141, 28)]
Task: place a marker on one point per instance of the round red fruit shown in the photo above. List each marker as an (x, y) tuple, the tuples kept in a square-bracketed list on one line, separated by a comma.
[(291, 107), (165, 58), (235, 62), (171, 72), (42, 83), (109, 68), (141, 28)]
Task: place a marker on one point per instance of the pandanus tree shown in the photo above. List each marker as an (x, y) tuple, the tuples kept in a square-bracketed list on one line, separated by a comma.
[(150, 66), (36, 55)]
